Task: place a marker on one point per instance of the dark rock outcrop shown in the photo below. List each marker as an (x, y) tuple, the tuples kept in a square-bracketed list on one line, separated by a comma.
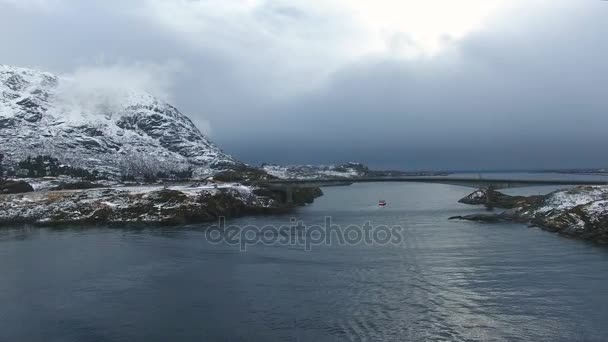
[(78, 185), (498, 199), (306, 195), (480, 217), (15, 187)]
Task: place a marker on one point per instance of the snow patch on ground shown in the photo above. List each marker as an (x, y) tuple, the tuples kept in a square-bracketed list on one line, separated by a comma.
[(567, 199)]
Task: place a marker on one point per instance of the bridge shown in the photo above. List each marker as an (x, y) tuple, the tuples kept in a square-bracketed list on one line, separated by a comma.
[(288, 185)]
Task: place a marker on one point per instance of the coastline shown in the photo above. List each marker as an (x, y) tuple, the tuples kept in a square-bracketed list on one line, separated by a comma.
[(153, 204), (580, 212)]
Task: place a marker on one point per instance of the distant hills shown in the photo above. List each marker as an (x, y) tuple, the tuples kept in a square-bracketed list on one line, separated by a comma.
[(348, 170)]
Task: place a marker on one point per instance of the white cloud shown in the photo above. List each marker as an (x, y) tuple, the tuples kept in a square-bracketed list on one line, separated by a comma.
[(105, 89), (275, 41), (37, 5), (302, 42), (427, 24), (156, 79), (291, 47), (346, 28)]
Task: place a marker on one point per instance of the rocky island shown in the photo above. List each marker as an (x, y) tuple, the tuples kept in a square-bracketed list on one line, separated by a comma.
[(580, 212)]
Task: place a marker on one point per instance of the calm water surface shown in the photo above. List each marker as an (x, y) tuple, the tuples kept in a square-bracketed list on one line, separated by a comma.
[(448, 281)]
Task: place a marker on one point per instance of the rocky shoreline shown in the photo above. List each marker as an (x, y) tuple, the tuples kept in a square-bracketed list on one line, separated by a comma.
[(157, 204), (580, 212)]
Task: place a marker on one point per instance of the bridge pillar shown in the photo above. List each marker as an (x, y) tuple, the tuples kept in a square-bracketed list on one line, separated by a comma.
[(490, 194), (289, 195)]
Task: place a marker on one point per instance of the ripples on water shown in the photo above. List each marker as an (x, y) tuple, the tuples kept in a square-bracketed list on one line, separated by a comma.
[(448, 281)]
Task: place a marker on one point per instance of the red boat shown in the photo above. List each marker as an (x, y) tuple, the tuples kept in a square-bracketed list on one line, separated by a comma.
[(382, 203)]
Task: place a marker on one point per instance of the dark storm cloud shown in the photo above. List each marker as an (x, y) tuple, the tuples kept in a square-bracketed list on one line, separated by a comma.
[(526, 91), (531, 98)]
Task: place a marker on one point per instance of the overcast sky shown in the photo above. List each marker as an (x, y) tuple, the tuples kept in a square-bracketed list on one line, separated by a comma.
[(411, 84)]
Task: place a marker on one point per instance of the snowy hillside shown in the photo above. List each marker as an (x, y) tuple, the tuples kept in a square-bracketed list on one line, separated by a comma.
[(348, 170), (128, 133)]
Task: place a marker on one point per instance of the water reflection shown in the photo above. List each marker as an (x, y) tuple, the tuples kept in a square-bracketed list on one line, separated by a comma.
[(456, 281)]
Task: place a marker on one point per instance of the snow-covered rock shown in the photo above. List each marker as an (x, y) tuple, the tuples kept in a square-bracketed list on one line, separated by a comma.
[(563, 200), (580, 212), (131, 132), (477, 197), (497, 199), (144, 204)]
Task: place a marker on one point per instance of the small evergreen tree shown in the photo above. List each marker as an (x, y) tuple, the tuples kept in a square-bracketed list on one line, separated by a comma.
[(43, 166)]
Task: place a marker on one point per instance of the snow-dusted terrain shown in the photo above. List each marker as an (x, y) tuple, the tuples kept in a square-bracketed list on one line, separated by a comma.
[(40, 114), (344, 171), (167, 204), (158, 204), (580, 212), (349, 170), (567, 199)]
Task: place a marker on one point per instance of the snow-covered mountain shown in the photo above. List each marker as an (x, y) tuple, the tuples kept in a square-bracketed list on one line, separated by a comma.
[(128, 133)]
